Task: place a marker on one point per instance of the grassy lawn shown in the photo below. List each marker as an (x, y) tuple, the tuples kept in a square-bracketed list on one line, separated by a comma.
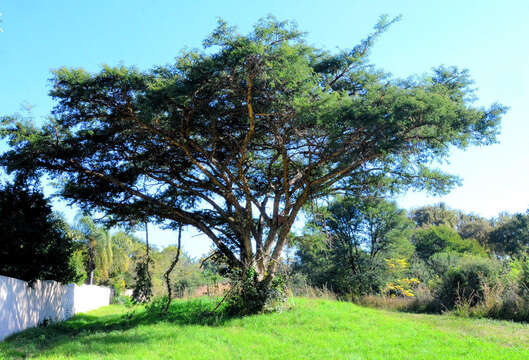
[(311, 329)]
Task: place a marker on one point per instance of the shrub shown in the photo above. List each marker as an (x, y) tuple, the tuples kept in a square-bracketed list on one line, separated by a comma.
[(122, 300), (422, 302), (248, 296), (523, 282), (466, 283), (157, 305)]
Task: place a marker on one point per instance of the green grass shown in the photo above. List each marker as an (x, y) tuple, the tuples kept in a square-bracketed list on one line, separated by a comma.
[(311, 329)]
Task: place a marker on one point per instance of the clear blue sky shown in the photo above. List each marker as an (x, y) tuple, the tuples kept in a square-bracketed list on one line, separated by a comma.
[(490, 38)]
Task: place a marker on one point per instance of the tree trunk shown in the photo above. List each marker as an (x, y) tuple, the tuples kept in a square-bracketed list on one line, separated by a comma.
[(147, 249), (170, 269)]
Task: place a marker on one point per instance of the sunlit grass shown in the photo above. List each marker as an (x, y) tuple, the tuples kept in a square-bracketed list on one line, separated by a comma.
[(311, 329)]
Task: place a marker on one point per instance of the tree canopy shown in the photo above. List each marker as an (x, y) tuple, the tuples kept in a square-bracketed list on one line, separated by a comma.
[(511, 237), (235, 139), (440, 238)]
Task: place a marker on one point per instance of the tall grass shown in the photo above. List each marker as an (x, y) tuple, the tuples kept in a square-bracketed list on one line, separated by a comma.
[(501, 301)]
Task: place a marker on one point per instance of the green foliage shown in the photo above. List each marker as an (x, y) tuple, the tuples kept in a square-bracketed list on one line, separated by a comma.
[(107, 256), (511, 237), (186, 277), (519, 273), (235, 139), (123, 300), (350, 240), (77, 261), (248, 295), (34, 242), (441, 238), (434, 216), (475, 227), (142, 292), (157, 305), (466, 282)]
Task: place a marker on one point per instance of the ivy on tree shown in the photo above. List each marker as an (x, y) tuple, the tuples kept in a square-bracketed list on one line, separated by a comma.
[(234, 140)]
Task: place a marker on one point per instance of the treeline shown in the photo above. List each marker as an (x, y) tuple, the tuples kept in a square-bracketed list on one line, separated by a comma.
[(113, 259), (431, 259)]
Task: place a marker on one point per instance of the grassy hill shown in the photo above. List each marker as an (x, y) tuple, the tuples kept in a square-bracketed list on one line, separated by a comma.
[(311, 329)]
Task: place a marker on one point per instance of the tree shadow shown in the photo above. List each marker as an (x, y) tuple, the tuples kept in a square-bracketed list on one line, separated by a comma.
[(79, 328)]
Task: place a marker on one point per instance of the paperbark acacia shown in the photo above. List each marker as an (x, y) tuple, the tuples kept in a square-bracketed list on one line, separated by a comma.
[(234, 140)]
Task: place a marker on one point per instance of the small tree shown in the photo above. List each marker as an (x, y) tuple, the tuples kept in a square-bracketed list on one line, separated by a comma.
[(34, 242), (360, 235), (142, 292)]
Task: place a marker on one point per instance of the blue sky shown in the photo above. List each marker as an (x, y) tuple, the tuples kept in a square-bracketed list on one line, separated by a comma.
[(490, 38)]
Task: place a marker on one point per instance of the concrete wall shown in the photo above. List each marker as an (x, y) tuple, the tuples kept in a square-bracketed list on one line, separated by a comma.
[(22, 307)]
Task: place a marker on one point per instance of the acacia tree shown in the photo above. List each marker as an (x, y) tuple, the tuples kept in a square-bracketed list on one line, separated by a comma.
[(234, 140)]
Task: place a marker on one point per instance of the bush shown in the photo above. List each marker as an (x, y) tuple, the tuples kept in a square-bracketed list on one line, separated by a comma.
[(122, 300), (466, 283), (249, 296), (157, 305), (523, 282)]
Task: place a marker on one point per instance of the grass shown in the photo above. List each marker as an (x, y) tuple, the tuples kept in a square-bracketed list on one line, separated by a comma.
[(311, 329)]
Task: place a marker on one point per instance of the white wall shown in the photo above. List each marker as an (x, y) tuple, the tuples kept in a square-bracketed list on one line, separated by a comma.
[(22, 307), (90, 297)]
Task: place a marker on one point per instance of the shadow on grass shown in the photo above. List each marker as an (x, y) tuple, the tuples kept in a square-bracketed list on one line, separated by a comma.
[(81, 327)]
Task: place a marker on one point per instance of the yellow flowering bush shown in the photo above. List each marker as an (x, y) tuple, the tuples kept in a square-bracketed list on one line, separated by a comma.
[(403, 286)]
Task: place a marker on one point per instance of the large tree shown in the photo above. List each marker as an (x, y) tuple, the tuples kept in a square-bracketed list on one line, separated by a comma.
[(234, 140)]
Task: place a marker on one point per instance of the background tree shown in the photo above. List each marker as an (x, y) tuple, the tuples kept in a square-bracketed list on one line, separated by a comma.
[(98, 247), (434, 215), (360, 235), (142, 292), (471, 226), (107, 256), (123, 245), (34, 242), (235, 140), (443, 238), (511, 236)]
